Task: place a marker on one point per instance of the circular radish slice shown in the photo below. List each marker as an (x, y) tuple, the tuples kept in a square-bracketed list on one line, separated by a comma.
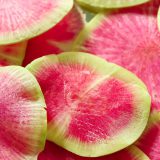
[(12, 54), (129, 38), (149, 142), (111, 3), (23, 117), (91, 104), (57, 39), (54, 152), (25, 19)]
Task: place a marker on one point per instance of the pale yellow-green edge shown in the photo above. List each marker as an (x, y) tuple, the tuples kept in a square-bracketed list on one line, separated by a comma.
[(109, 3), (137, 153), (30, 83), (50, 20), (104, 68), (158, 18), (90, 9), (22, 51), (15, 60), (154, 120), (83, 35)]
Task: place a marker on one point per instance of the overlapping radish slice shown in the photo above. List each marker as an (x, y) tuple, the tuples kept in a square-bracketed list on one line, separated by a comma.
[(25, 19), (94, 107), (23, 117), (110, 3), (57, 39), (54, 152), (12, 54), (149, 142), (130, 38)]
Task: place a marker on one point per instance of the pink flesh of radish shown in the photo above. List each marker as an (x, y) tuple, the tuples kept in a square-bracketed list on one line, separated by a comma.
[(18, 117), (66, 96), (19, 15)]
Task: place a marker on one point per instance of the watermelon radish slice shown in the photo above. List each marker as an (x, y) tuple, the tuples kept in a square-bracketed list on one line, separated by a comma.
[(12, 54), (57, 39), (130, 38), (149, 142), (22, 20), (91, 104), (110, 3), (23, 117), (54, 152)]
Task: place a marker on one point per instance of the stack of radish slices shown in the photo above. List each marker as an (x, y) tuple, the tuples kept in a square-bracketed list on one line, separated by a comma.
[(80, 80)]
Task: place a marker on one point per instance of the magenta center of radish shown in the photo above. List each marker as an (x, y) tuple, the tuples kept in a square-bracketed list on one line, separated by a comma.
[(95, 111)]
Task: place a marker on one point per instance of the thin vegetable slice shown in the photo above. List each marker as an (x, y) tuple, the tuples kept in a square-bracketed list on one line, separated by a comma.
[(94, 107), (22, 20), (22, 112)]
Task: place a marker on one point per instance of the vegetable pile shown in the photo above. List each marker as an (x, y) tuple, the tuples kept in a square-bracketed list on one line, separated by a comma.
[(80, 80)]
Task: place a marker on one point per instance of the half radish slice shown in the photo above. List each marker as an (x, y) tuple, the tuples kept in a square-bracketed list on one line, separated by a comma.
[(25, 19), (149, 142), (23, 117), (54, 152), (94, 107), (129, 38), (12, 54), (111, 3), (58, 39)]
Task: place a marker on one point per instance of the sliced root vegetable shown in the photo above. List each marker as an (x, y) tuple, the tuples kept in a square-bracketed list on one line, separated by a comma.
[(149, 142), (57, 39), (130, 38), (12, 54), (54, 152), (94, 107), (22, 20), (110, 3), (23, 117)]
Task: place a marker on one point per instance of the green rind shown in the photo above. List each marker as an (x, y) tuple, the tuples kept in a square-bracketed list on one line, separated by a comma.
[(14, 59), (95, 22), (137, 153), (105, 4), (40, 27), (105, 69), (158, 18), (154, 120), (92, 9), (29, 81)]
